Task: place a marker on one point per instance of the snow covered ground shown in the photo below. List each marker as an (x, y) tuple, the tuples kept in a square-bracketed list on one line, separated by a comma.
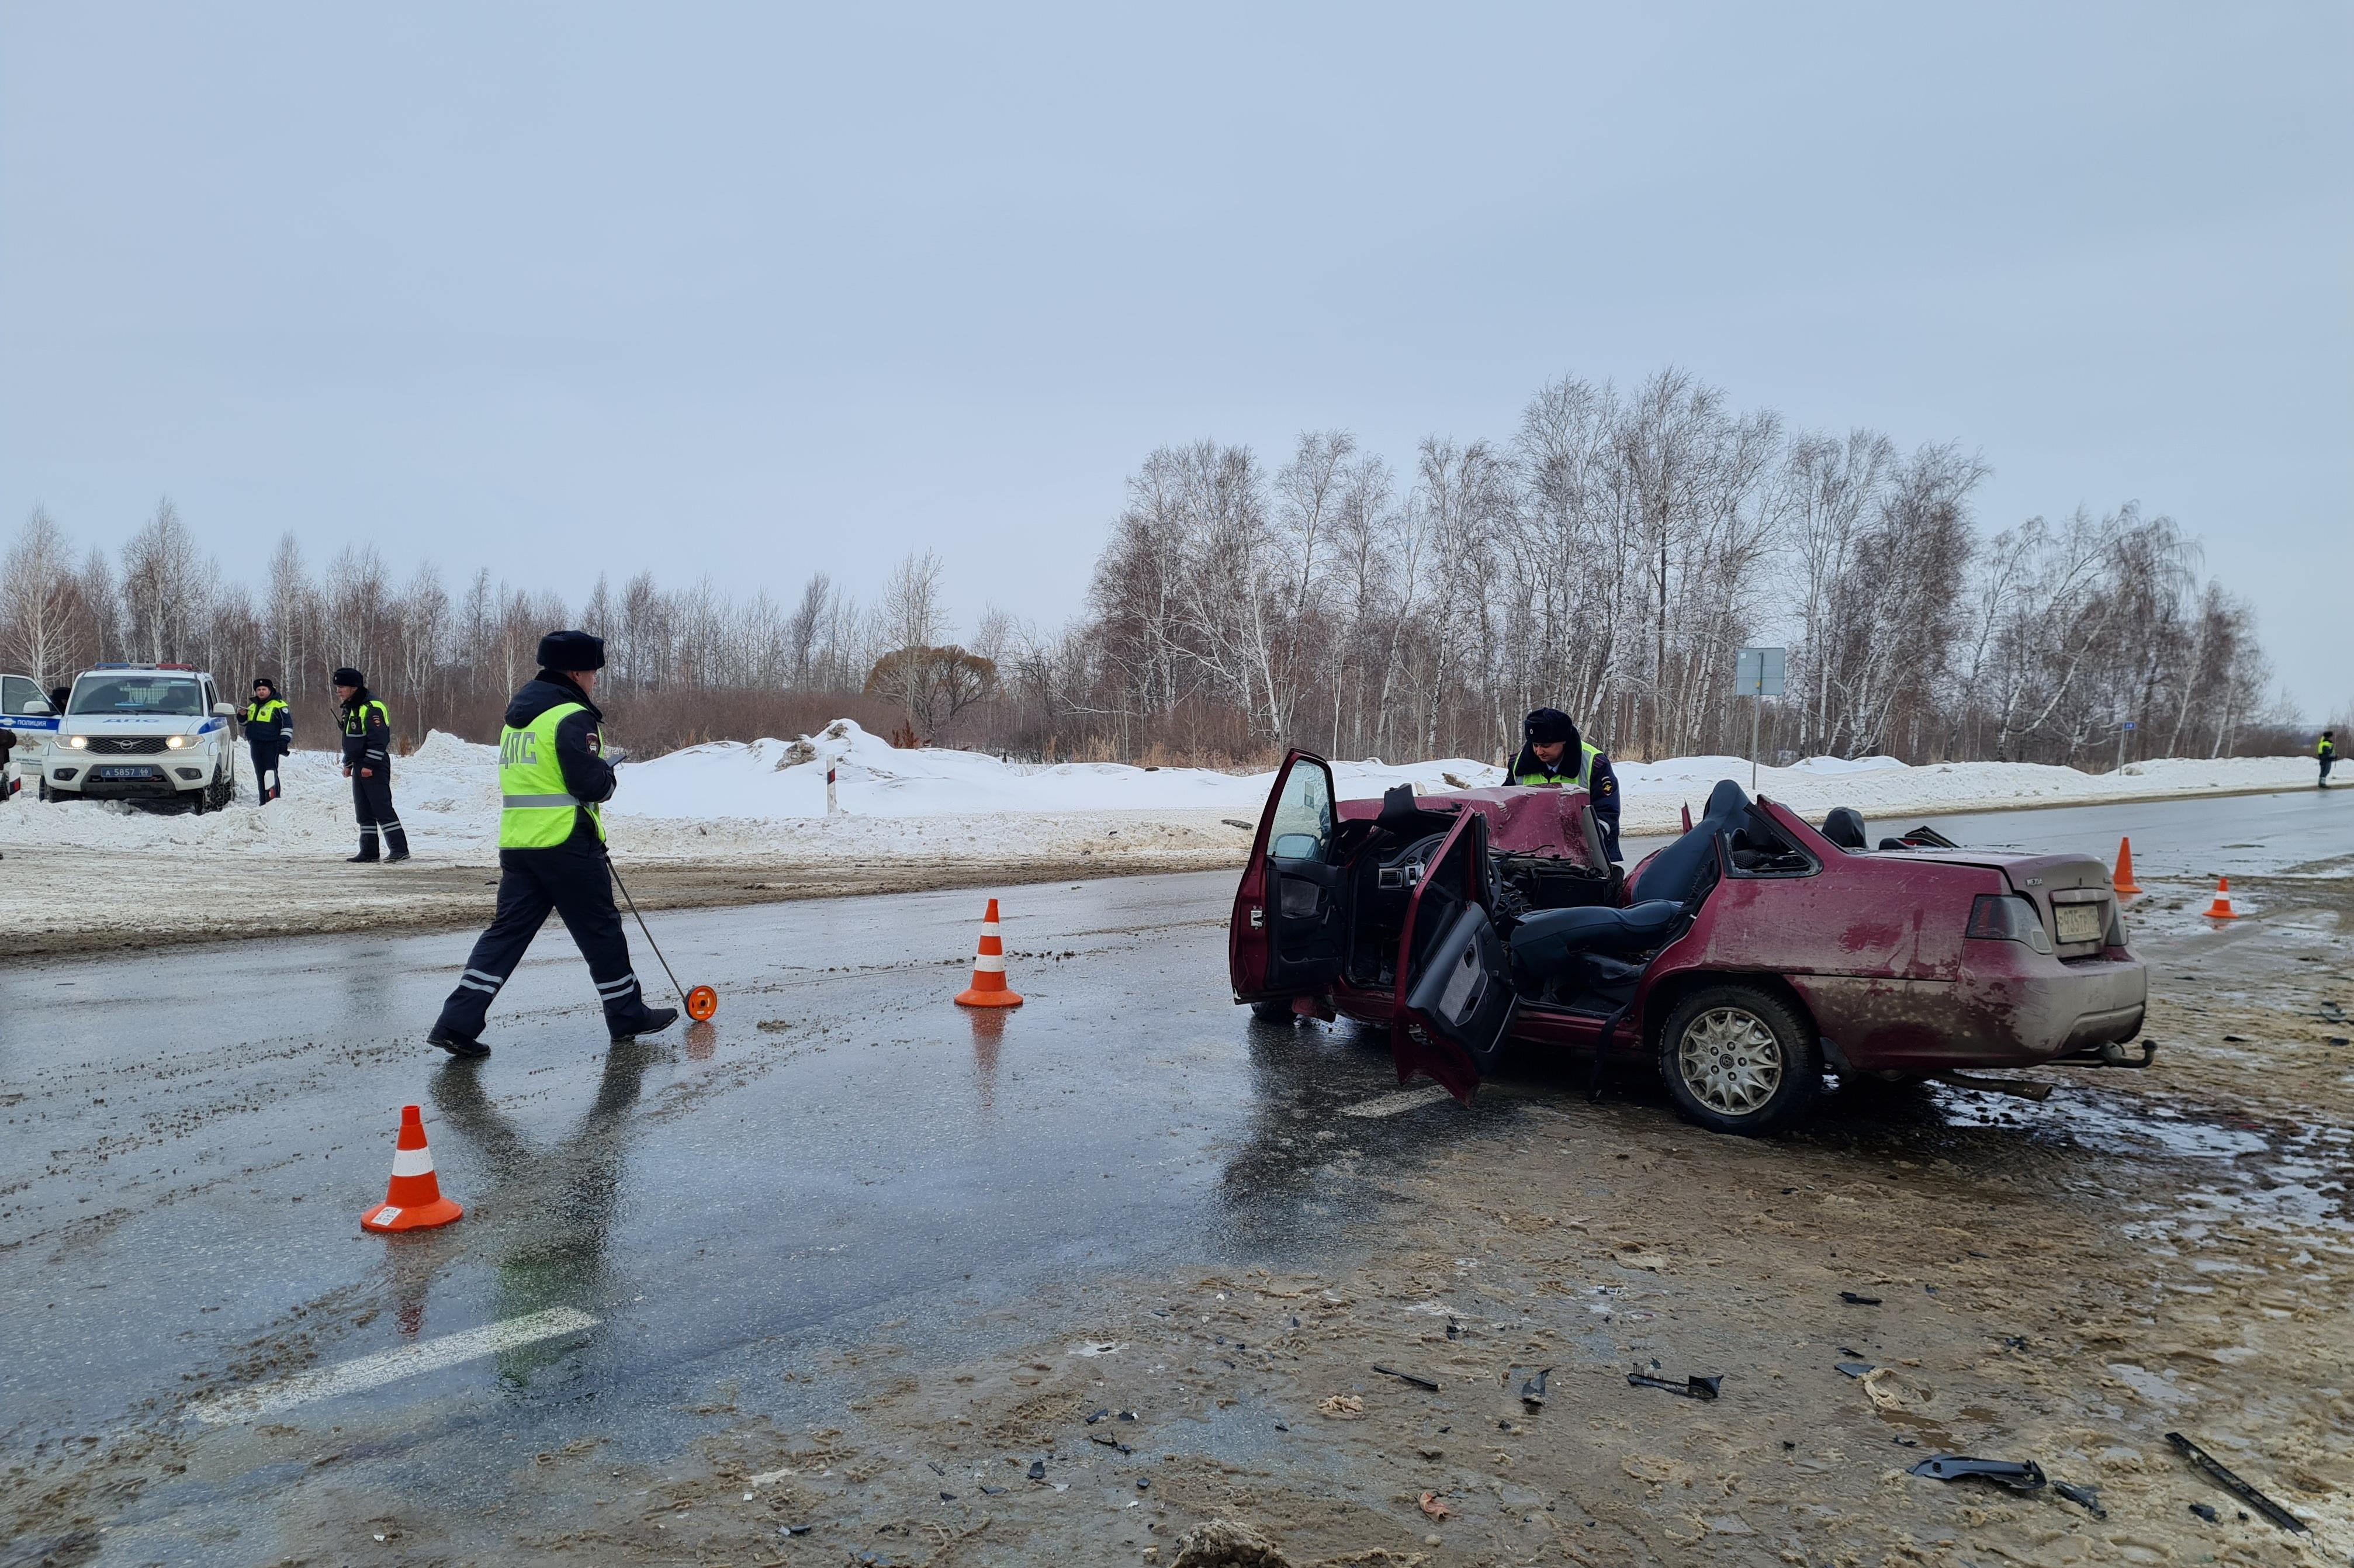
[(766, 801)]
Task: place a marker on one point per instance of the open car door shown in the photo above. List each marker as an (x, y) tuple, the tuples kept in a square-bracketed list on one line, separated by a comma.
[(1289, 931), (1455, 999)]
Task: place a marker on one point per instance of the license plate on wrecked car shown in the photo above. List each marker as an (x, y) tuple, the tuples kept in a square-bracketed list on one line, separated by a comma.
[(2080, 922)]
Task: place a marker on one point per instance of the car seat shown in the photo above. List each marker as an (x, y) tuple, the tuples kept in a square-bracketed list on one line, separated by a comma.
[(1844, 827), (1668, 888)]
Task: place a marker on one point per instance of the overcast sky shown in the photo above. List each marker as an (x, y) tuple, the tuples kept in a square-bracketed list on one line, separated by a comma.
[(752, 291)]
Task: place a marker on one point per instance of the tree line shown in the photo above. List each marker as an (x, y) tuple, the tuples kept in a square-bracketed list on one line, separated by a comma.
[(1608, 557)]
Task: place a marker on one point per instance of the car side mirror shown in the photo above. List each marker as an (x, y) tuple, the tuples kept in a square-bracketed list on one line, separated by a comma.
[(40, 708), (224, 710)]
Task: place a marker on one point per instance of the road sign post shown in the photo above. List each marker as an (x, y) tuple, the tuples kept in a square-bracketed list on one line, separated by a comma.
[(2124, 730), (1758, 674)]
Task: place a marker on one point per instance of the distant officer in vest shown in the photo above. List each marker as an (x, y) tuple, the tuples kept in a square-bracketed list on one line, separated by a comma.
[(2326, 750), (268, 736), (552, 780), (367, 763), (1553, 752)]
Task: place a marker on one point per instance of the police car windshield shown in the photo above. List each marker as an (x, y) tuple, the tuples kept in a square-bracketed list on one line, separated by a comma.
[(166, 696)]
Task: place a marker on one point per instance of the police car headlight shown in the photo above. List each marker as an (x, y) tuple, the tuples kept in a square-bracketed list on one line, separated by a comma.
[(180, 741), (79, 742)]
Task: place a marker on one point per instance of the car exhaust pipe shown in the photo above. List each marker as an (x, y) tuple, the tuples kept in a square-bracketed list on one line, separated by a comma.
[(2019, 1088)]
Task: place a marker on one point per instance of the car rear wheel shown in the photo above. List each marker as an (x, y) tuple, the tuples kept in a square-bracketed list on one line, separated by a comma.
[(1738, 1059)]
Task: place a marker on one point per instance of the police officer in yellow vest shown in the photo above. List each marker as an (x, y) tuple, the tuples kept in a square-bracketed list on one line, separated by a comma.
[(1553, 752), (553, 777), (268, 736)]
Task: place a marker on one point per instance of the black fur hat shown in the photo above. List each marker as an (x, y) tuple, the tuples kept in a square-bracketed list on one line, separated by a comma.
[(571, 650), (1547, 726)]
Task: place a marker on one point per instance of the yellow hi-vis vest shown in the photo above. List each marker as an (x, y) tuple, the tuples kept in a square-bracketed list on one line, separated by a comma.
[(535, 810), (1587, 752)]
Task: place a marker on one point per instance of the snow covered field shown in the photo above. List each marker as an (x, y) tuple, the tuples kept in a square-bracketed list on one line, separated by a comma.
[(765, 801)]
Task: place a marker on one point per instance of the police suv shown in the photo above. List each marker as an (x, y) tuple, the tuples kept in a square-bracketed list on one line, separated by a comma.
[(24, 712), (144, 732)]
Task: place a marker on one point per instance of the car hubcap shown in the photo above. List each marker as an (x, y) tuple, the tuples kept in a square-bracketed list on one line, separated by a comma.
[(1729, 1061)]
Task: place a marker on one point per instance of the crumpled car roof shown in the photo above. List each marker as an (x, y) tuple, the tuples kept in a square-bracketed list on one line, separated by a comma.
[(1529, 820)]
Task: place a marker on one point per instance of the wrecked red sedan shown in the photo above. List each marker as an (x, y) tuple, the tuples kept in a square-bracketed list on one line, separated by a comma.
[(1746, 958)]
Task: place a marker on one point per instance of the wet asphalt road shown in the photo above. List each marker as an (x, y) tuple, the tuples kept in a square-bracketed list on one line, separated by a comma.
[(192, 1134)]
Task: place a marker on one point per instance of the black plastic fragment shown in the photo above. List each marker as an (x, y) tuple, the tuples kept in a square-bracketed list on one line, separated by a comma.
[(988, 1490), (1854, 1299), (1127, 1415), (1108, 1441), (1532, 1389), (1415, 1378), (1037, 1469), (1143, 1483), (1857, 1369), (2019, 1474), (1098, 1415), (2207, 1513), (2086, 1498), (1693, 1387), (2213, 1467), (948, 1496)]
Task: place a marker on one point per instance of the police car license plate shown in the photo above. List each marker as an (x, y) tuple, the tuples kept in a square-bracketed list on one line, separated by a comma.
[(2080, 922), (133, 772)]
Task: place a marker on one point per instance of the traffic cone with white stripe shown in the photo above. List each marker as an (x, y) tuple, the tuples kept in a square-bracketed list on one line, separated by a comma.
[(414, 1200), (2221, 908), (987, 988)]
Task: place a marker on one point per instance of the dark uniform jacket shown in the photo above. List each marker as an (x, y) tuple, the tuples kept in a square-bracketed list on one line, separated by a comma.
[(579, 751), (367, 735), (269, 727)]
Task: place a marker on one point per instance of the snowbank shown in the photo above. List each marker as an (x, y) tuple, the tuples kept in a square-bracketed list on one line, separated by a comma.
[(767, 799)]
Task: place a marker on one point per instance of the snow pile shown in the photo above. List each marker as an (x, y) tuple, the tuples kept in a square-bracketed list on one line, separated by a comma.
[(766, 801), (772, 779)]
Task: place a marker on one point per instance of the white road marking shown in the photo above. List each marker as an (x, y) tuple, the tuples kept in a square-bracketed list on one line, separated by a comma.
[(391, 1366), (1398, 1103)]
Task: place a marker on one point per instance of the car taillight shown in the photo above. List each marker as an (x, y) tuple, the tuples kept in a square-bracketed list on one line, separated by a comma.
[(2116, 936), (2007, 917)]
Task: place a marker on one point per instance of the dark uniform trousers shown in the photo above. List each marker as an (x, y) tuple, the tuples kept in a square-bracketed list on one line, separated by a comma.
[(372, 803), (573, 880), (265, 769)]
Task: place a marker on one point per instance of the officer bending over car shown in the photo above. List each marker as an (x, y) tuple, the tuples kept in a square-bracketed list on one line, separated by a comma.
[(367, 763), (553, 777), (268, 736), (1553, 752)]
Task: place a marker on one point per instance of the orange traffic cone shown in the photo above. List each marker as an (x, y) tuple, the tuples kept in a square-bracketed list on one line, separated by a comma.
[(2221, 908), (414, 1200), (2123, 881), (987, 988)]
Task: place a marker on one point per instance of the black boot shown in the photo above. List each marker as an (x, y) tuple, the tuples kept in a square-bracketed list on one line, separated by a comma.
[(456, 1044), (647, 1021), (365, 857)]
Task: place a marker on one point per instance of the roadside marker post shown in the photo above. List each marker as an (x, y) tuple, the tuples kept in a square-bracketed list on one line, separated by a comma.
[(832, 805), (1758, 672)]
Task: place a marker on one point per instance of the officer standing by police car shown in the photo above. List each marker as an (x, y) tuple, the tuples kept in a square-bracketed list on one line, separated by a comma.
[(1550, 745), (553, 777), (268, 736), (367, 763)]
